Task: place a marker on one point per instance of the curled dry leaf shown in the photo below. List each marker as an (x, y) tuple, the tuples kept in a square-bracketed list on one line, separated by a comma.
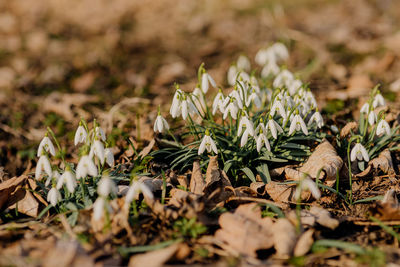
[(323, 217), (323, 158), (383, 162), (304, 243), (155, 258), (197, 183), (258, 187), (388, 209), (145, 151), (349, 127), (284, 235), (244, 231), (285, 192)]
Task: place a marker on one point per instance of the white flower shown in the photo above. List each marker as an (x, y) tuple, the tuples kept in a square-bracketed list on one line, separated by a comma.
[(236, 96), (383, 128), (207, 143), (160, 125), (175, 109), (310, 99), (378, 101), (205, 80), (232, 74), (218, 103), (97, 149), (317, 118), (284, 78), (54, 175), (109, 157), (243, 63), (99, 207), (53, 196), (280, 51), (365, 108), (99, 133), (69, 179), (46, 145), (307, 184), (278, 107), (274, 127), (294, 86), (298, 124), (85, 166), (135, 189), (245, 137), (255, 98), (187, 108), (262, 139), (265, 56), (232, 109), (43, 164), (106, 186), (80, 135), (245, 122), (197, 97), (372, 118), (271, 68), (359, 152)]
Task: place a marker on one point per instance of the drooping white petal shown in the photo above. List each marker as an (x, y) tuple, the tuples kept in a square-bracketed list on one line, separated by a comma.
[(98, 208), (109, 157), (46, 145), (80, 135), (85, 166), (383, 128), (54, 196), (106, 186), (99, 133)]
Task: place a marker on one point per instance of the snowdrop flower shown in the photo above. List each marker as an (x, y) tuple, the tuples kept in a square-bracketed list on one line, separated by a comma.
[(273, 127), (280, 51), (365, 108), (243, 63), (359, 152), (80, 135), (46, 145), (310, 99), (372, 118), (261, 140), (97, 150), (245, 122), (43, 165), (207, 143), (205, 80), (99, 207), (135, 189), (54, 196), (307, 184), (245, 137), (67, 178), (106, 186), (109, 157), (187, 107), (294, 86), (260, 127), (382, 128), (278, 107), (255, 98), (265, 56), (284, 78), (298, 124), (231, 109), (198, 100), (378, 100), (234, 95), (85, 166), (271, 68), (99, 133), (317, 118), (232, 74), (55, 175), (175, 109), (160, 125), (218, 103)]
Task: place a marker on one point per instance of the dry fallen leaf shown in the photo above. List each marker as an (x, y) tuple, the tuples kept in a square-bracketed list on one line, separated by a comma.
[(244, 231), (323, 217), (388, 209), (383, 162), (359, 85), (196, 181), (285, 192), (323, 158), (284, 235), (304, 243), (155, 258), (348, 128)]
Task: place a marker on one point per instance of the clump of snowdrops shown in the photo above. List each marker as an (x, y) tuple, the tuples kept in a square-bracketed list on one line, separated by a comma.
[(265, 118), (91, 183)]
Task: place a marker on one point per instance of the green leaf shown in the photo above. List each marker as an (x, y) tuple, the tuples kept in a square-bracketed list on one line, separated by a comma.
[(263, 171), (338, 244), (249, 174), (125, 251)]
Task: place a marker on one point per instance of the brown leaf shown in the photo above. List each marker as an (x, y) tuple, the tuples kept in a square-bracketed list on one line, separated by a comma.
[(304, 243), (388, 209), (324, 217), (65, 254), (26, 203), (155, 258), (244, 231), (284, 192), (8, 188), (145, 151), (383, 162), (349, 127), (284, 235), (197, 183), (323, 158), (359, 85)]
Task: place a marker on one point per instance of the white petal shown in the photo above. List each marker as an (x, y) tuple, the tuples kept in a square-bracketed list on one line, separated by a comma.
[(204, 83), (98, 208), (202, 146)]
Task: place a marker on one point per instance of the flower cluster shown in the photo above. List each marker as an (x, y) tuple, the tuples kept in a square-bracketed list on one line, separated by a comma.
[(93, 158), (257, 112)]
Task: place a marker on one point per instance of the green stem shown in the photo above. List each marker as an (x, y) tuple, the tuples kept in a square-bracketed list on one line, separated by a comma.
[(57, 143)]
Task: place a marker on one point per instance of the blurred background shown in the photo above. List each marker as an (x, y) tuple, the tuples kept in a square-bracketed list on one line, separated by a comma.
[(116, 61)]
